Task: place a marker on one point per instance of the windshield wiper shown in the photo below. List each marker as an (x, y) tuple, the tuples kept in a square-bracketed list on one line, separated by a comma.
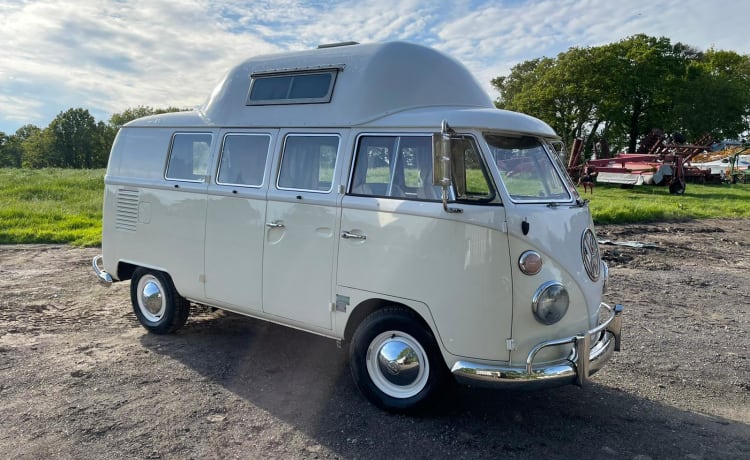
[(580, 203)]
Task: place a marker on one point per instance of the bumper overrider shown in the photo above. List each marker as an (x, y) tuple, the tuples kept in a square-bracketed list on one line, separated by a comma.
[(586, 358), (104, 277)]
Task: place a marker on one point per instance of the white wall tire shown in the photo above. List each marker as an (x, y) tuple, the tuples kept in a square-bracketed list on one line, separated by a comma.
[(395, 361), (156, 303)]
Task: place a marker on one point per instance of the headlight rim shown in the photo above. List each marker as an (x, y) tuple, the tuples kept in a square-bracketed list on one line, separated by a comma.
[(538, 297)]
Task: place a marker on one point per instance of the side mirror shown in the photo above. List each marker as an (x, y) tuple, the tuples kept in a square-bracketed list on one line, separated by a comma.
[(447, 165), (441, 160)]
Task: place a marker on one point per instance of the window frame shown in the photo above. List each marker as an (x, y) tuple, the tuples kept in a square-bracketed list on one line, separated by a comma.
[(170, 156), (553, 160), (283, 154), (221, 157), (259, 76), (493, 200)]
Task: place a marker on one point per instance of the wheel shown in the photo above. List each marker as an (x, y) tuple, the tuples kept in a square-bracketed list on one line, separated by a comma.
[(156, 303), (677, 188), (395, 361)]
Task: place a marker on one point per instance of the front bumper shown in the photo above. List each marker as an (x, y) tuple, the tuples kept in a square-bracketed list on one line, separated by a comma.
[(584, 361)]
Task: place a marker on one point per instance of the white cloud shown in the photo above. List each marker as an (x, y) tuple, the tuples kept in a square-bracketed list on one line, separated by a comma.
[(108, 55)]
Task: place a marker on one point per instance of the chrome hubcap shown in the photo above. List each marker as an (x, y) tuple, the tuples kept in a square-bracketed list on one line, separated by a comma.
[(151, 298), (397, 364)]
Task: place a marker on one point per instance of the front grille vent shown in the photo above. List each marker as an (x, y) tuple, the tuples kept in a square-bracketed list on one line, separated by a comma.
[(127, 209)]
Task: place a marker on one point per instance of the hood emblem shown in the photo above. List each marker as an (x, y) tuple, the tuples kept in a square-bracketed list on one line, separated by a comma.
[(590, 254)]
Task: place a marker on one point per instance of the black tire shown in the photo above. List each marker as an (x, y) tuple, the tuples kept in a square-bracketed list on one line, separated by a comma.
[(156, 303), (677, 188), (411, 374)]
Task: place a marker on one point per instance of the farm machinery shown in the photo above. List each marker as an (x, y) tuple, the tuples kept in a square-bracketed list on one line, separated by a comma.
[(731, 165), (660, 160)]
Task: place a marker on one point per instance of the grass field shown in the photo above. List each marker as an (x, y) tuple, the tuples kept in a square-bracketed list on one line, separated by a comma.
[(65, 206), (51, 206), (611, 204)]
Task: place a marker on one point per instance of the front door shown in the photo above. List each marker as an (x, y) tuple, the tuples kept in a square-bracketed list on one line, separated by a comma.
[(401, 242), (301, 231)]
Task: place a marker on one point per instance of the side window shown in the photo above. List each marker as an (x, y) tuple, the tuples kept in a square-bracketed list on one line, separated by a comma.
[(243, 159), (394, 167), (188, 156), (306, 87), (307, 162), (477, 183)]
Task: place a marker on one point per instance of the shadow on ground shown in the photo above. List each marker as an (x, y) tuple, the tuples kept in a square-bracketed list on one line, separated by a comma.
[(304, 380)]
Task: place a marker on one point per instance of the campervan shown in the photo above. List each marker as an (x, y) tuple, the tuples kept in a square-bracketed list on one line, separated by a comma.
[(372, 194)]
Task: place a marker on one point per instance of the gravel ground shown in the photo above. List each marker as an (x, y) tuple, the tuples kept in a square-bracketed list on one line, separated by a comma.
[(79, 378)]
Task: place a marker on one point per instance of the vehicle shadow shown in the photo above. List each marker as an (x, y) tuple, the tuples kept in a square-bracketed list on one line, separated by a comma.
[(303, 380)]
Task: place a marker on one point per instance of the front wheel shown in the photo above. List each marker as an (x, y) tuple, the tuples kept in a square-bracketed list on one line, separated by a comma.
[(395, 361), (156, 303)]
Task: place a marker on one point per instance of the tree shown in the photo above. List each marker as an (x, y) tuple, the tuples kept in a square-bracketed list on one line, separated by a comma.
[(623, 90), (37, 149), (74, 135), (11, 146), (718, 95), (119, 119)]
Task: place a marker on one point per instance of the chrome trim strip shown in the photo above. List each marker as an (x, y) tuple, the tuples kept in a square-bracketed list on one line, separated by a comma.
[(104, 277), (585, 361)]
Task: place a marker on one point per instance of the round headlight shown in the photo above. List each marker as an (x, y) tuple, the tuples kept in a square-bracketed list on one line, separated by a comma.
[(550, 302), (530, 262)]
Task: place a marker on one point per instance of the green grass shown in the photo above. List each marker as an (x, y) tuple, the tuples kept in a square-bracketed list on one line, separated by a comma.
[(51, 206), (611, 204), (65, 205)]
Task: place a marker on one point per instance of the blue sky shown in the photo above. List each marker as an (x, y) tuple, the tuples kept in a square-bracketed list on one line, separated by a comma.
[(108, 55)]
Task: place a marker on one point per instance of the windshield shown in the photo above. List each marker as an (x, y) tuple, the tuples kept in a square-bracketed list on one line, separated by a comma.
[(526, 169)]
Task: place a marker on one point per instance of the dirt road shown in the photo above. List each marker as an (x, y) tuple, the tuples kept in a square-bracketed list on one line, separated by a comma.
[(79, 378)]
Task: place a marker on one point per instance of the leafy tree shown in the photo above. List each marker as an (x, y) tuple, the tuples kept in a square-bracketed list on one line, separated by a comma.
[(37, 149), (623, 90), (119, 119), (74, 138), (11, 146)]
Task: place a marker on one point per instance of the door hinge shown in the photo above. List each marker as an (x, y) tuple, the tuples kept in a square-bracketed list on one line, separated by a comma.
[(510, 344)]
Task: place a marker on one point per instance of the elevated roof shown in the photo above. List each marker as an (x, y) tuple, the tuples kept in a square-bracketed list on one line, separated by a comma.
[(383, 85), (374, 80)]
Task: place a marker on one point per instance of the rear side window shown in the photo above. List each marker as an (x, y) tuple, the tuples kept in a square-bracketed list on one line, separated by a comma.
[(243, 159), (188, 157), (292, 88), (308, 162)]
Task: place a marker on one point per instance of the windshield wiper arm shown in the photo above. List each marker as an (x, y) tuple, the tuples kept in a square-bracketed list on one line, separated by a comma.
[(580, 203)]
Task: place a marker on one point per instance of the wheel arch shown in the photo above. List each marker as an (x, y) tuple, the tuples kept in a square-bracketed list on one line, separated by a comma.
[(366, 307), (125, 270)]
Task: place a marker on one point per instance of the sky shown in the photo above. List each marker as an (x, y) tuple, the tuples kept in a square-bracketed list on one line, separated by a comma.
[(109, 55)]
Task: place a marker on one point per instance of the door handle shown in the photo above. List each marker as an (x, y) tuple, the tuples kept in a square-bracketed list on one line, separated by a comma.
[(276, 224), (352, 236)]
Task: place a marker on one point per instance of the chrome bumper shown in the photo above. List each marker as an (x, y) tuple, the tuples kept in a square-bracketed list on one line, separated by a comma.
[(584, 361), (104, 277)]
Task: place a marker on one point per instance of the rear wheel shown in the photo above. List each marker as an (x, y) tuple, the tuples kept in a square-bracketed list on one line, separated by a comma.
[(395, 361), (677, 187), (156, 303)]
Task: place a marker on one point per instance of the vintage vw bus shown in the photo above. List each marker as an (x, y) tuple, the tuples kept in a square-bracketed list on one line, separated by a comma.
[(374, 195)]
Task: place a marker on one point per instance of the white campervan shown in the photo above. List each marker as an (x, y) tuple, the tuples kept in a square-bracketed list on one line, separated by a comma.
[(374, 195)]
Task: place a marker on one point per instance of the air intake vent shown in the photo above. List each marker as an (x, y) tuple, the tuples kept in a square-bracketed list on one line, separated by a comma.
[(127, 209)]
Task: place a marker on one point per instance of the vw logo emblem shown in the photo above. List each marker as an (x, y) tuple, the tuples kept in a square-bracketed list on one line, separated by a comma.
[(590, 254), (393, 367)]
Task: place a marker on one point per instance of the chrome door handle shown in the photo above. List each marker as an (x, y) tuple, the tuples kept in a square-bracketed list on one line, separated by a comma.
[(352, 236), (274, 224)]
